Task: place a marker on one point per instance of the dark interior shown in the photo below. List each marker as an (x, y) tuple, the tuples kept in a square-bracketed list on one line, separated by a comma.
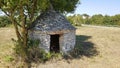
[(54, 43)]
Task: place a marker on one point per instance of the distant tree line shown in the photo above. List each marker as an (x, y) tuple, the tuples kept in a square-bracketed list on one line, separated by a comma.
[(78, 19), (4, 21), (97, 19)]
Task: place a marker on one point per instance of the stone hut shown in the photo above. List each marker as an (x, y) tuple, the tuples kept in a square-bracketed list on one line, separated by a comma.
[(54, 31)]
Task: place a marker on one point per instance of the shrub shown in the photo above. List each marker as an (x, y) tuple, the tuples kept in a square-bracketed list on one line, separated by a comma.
[(4, 21), (32, 53)]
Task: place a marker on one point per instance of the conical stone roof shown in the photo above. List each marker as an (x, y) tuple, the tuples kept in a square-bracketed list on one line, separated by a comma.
[(52, 21)]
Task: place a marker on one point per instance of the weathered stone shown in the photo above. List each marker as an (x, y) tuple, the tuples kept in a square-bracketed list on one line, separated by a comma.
[(52, 23)]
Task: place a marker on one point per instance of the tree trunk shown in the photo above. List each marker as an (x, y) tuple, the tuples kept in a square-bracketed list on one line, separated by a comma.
[(16, 28), (24, 30)]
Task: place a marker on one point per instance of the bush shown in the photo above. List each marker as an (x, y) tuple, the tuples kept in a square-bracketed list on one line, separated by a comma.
[(32, 53), (4, 21)]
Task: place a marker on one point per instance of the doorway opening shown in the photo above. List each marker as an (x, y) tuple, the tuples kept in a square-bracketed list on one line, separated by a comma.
[(54, 43)]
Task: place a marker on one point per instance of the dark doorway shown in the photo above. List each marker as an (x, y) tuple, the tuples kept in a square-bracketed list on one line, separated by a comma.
[(54, 43)]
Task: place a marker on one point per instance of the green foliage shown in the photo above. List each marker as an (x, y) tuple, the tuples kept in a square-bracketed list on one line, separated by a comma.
[(105, 20), (4, 21), (64, 5), (36, 54), (8, 58), (22, 13), (97, 19), (33, 53), (75, 20), (86, 18), (29, 53), (19, 50)]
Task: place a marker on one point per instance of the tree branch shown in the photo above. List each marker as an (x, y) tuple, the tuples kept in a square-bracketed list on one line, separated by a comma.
[(5, 12)]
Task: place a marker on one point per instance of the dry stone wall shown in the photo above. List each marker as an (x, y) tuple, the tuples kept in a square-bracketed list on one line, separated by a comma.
[(66, 41), (69, 41)]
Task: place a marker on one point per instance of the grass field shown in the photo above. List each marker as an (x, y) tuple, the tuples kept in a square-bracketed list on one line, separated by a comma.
[(100, 48), (6, 46)]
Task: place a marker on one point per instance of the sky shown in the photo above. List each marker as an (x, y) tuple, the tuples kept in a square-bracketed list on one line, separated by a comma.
[(104, 7), (1, 13), (92, 7)]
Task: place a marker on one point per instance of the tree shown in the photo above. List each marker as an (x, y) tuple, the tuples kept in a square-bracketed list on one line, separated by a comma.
[(23, 12), (97, 19), (107, 20), (85, 15), (4, 21), (116, 19), (75, 19), (70, 19), (86, 18)]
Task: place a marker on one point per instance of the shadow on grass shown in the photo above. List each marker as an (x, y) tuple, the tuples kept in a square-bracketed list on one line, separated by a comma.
[(83, 48)]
